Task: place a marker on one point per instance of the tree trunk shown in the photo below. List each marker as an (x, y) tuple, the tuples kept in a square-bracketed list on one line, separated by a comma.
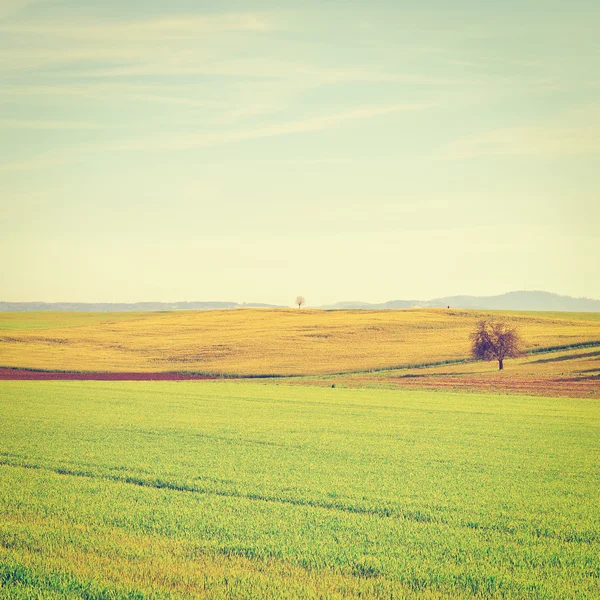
[(500, 364)]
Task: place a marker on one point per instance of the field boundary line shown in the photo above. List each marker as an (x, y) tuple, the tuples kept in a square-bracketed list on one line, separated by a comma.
[(456, 361)]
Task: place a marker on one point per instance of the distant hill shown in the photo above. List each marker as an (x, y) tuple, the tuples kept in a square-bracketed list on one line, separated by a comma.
[(124, 307), (520, 300), (510, 301)]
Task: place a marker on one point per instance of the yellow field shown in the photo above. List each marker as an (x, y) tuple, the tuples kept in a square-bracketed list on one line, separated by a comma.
[(260, 341)]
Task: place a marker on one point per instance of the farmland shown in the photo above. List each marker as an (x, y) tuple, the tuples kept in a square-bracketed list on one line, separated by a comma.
[(419, 474), (264, 342), (243, 490), (573, 373)]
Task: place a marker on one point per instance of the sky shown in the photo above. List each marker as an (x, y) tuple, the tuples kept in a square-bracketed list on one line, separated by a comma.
[(254, 151)]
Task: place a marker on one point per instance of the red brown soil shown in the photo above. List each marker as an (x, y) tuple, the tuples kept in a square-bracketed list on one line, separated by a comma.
[(571, 387), (529, 385), (21, 374)]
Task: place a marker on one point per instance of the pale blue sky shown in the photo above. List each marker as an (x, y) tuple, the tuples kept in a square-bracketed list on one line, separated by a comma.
[(257, 150)]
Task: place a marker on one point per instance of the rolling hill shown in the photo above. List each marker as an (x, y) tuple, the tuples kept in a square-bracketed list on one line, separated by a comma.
[(520, 300)]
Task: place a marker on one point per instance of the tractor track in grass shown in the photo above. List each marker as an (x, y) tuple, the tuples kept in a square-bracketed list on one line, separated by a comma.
[(423, 517), (174, 486)]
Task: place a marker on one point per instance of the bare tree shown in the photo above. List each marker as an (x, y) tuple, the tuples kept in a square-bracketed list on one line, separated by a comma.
[(495, 340), (300, 301)]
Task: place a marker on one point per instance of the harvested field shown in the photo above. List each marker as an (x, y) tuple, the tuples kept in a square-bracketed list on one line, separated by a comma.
[(264, 342)]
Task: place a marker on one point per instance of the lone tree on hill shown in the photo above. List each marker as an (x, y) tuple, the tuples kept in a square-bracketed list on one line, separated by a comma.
[(300, 301), (495, 340)]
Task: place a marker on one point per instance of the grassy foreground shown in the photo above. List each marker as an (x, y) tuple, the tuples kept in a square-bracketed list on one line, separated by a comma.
[(237, 490), (260, 341)]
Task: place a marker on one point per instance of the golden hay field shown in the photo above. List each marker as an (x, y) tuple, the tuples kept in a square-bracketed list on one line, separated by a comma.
[(263, 341)]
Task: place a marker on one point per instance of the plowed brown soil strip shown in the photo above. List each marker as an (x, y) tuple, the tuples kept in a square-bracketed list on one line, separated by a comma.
[(529, 385), (571, 387), (20, 374)]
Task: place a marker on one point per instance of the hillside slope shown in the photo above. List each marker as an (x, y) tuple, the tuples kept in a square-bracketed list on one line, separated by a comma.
[(262, 341)]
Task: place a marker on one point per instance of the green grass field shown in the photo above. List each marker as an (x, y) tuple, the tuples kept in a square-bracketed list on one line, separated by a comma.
[(23, 321), (243, 490)]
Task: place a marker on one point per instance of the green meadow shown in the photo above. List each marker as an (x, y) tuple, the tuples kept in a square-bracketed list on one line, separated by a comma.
[(246, 490)]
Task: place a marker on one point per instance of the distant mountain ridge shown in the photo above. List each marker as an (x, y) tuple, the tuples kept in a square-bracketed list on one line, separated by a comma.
[(519, 300), (124, 306)]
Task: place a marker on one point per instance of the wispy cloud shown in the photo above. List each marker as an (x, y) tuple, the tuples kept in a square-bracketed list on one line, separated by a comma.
[(34, 124), (135, 47), (136, 31), (45, 91), (41, 161), (10, 7), (185, 141), (208, 44), (174, 142), (577, 132)]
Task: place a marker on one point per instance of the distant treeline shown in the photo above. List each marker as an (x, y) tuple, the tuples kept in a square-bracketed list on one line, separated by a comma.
[(522, 300), (123, 307)]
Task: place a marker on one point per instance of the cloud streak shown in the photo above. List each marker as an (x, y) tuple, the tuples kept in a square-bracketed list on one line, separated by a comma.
[(575, 133), (42, 161), (141, 31), (176, 142), (313, 124), (135, 47), (32, 124), (10, 7)]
